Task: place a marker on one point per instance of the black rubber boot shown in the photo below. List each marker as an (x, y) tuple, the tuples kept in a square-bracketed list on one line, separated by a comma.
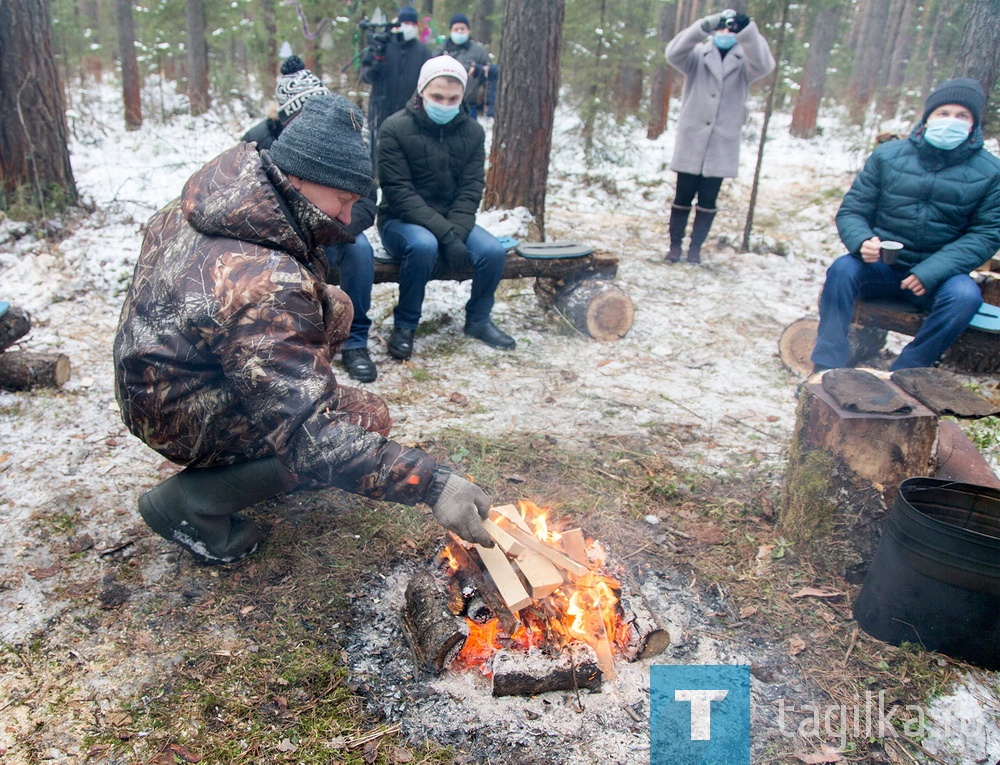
[(197, 508), (699, 232), (678, 224)]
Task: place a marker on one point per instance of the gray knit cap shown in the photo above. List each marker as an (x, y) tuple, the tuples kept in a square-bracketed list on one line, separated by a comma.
[(963, 91), (325, 145)]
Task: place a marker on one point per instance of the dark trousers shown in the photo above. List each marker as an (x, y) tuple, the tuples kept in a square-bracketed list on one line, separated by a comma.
[(689, 186), (356, 263), (951, 307)]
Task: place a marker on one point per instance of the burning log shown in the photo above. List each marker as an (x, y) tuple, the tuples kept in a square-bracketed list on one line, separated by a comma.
[(646, 636), (471, 568), (517, 673), (533, 543), (541, 576), (435, 634), (575, 545), (24, 370), (14, 324)]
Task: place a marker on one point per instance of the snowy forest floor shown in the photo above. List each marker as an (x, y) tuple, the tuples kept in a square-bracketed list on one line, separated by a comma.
[(669, 445)]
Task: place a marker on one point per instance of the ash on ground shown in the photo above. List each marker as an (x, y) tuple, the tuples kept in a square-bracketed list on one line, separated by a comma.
[(565, 728)]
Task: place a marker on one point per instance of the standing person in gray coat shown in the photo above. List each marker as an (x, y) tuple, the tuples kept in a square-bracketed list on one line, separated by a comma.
[(718, 73)]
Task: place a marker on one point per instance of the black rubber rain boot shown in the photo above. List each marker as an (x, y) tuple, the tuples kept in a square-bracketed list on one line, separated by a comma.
[(699, 232), (197, 508), (678, 225)]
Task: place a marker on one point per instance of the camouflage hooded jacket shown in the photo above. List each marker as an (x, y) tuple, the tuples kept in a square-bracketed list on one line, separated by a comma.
[(226, 341)]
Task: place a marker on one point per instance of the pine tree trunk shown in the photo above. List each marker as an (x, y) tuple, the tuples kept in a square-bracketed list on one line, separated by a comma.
[(197, 58), (864, 74), (895, 66), (936, 54), (269, 69), (979, 56), (814, 75), (482, 24), (527, 97), (131, 84), (33, 133), (662, 80)]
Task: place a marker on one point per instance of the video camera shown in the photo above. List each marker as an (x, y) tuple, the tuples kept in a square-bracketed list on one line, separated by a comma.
[(378, 31), (732, 24)]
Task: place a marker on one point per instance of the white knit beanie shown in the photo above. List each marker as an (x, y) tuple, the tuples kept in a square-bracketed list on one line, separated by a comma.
[(441, 66)]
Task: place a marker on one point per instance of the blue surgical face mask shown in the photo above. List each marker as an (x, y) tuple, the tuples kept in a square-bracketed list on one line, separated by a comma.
[(459, 38), (724, 40), (947, 132), (441, 115)]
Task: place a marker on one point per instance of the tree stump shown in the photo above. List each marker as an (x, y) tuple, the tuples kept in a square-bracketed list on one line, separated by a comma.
[(24, 370), (13, 326), (844, 469)]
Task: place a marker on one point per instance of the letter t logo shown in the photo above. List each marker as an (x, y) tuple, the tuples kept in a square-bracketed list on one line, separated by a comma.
[(701, 710)]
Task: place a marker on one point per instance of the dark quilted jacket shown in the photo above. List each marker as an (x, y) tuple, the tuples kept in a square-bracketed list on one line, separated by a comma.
[(227, 338), (944, 206), (431, 175)]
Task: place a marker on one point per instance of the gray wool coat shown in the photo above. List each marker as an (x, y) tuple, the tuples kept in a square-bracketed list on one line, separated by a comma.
[(714, 109)]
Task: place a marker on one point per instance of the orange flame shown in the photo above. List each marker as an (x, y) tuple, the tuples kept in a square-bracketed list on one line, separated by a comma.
[(585, 609)]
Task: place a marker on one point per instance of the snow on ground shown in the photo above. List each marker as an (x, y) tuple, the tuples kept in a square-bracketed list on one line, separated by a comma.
[(701, 358)]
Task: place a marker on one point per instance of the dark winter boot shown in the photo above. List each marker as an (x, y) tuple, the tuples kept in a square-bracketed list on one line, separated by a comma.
[(699, 232), (197, 508), (678, 224)]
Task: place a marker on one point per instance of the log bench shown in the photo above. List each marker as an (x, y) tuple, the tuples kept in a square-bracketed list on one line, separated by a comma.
[(975, 351), (580, 289)]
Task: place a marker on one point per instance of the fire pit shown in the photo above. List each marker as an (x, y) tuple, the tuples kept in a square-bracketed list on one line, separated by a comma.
[(542, 611)]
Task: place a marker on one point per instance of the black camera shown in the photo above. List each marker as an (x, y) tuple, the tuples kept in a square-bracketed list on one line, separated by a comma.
[(378, 32)]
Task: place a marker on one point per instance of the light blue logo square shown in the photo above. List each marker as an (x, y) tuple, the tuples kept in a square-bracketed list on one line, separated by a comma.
[(699, 715)]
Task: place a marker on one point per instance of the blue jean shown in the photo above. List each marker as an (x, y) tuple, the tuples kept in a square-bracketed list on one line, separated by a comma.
[(416, 249), (950, 309), (356, 263)]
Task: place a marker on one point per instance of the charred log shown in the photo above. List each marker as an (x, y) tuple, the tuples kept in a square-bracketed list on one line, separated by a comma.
[(531, 673), (435, 634)]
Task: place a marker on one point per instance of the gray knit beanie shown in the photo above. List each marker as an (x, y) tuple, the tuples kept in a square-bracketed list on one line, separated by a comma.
[(963, 91), (325, 145)]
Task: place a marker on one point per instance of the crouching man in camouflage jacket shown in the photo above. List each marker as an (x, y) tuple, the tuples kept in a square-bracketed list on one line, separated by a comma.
[(224, 351)]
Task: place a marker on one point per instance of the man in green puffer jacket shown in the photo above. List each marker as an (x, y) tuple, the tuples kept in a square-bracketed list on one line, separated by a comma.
[(937, 193)]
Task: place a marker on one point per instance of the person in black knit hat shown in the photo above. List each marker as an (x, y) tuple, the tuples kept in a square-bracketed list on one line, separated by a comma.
[(938, 194), (474, 57), (225, 346), (391, 66), (352, 263)]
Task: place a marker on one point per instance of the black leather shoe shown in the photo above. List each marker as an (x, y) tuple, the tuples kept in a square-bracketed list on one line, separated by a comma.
[(401, 342), (359, 365), (490, 334)]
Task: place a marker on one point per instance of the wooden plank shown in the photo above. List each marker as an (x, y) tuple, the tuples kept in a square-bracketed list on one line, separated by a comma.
[(541, 574), (533, 543), (504, 541), (511, 514), (504, 577), (575, 545)]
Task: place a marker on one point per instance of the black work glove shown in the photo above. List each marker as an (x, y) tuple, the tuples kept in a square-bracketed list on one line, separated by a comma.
[(454, 251), (710, 23), (461, 507)]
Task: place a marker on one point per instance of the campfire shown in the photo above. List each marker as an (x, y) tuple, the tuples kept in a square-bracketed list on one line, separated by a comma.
[(542, 610)]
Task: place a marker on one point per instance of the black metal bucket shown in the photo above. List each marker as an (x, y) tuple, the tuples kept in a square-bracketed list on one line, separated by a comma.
[(935, 577)]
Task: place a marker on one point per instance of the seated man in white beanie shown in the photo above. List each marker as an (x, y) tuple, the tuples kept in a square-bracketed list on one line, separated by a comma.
[(226, 342), (430, 166)]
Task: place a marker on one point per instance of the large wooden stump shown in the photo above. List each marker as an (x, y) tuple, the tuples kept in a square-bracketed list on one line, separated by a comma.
[(844, 469), (13, 326), (24, 370), (597, 308)]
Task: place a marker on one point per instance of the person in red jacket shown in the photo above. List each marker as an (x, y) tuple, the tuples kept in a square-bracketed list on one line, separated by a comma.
[(225, 347)]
